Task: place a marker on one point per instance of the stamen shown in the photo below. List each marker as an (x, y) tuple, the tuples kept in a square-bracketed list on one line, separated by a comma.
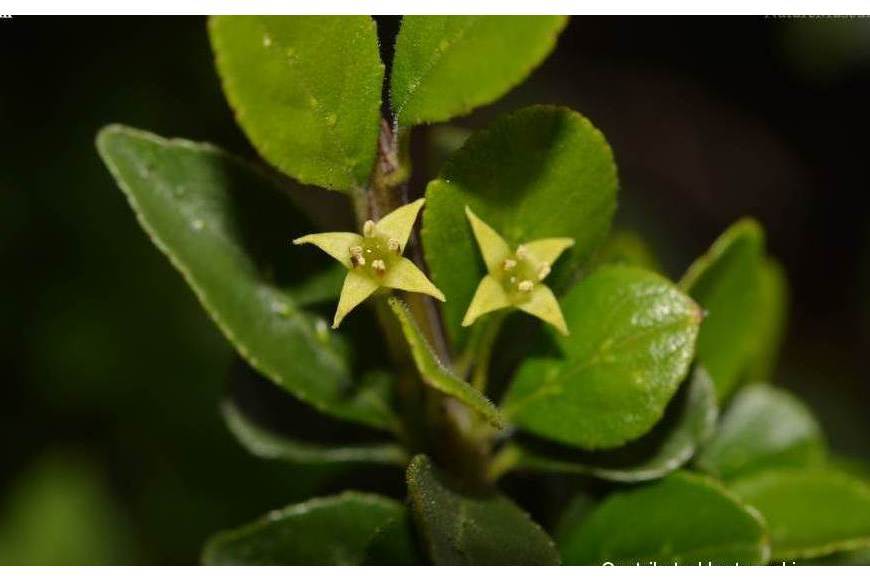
[(369, 228), (522, 252), (357, 260), (356, 250), (394, 246), (543, 271), (509, 265), (526, 286), (379, 266)]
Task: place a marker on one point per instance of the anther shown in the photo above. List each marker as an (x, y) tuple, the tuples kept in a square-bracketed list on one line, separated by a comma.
[(379, 266), (369, 228), (522, 252), (357, 260), (526, 286), (543, 271), (356, 250), (509, 265), (394, 246)]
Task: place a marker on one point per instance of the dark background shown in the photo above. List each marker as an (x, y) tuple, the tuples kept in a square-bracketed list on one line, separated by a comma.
[(111, 447)]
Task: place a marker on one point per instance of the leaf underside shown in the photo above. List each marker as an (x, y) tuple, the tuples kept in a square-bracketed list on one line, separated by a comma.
[(438, 376), (462, 528)]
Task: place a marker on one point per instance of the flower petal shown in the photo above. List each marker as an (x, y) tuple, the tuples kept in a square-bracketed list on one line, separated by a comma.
[(404, 275), (489, 296), (357, 287), (397, 225), (492, 246), (544, 305), (336, 244), (548, 249)]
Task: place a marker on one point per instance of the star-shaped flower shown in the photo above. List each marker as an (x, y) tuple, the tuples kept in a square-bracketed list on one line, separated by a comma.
[(516, 277), (374, 259)]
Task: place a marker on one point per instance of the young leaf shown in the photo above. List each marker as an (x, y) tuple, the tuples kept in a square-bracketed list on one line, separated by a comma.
[(347, 529), (541, 172), (200, 207), (693, 428), (809, 513), (764, 427), (632, 339), (682, 519), (445, 66), (267, 444), (435, 374), (772, 313), (726, 282), (461, 528), (306, 90)]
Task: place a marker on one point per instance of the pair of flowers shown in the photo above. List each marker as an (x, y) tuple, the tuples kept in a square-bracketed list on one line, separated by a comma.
[(374, 260)]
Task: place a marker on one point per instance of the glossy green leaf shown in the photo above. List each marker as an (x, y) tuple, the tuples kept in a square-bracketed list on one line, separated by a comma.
[(464, 528), (268, 444), (632, 339), (772, 313), (306, 90), (809, 512), (763, 427), (347, 529), (201, 207), (541, 172), (693, 428), (682, 519), (726, 282), (445, 66), (438, 376)]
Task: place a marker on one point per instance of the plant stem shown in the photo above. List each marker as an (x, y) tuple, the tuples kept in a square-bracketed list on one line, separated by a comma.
[(448, 423), (483, 354)]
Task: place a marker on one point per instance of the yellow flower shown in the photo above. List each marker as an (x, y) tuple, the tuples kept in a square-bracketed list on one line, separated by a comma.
[(374, 259), (516, 277)]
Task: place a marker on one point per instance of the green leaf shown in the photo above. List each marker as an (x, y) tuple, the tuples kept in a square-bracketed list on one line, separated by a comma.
[(693, 428), (445, 66), (627, 247), (541, 172), (347, 529), (809, 513), (204, 209), (465, 528), (772, 313), (306, 90), (764, 427), (267, 444), (726, 282), (438, 376), (632, 339), (682, 519)]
